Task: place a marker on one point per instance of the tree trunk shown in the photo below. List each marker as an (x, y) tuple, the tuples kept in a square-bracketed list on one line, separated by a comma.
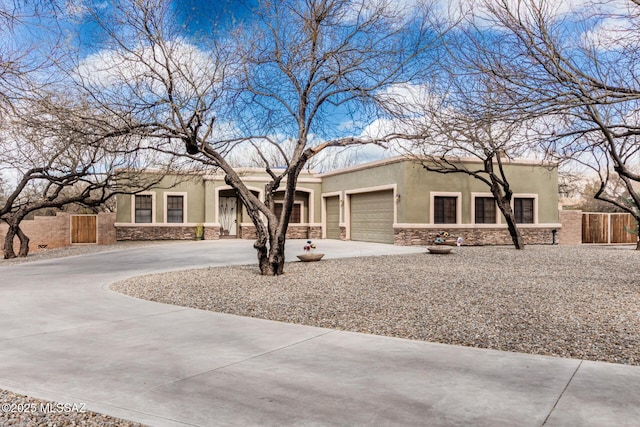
[(638, 242), (270, 256), (516, 237), (24, 243), (507, 212), (14, 230), (8, 243)]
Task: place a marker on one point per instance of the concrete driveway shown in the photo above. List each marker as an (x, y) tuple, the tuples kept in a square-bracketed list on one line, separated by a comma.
[(65, 337)]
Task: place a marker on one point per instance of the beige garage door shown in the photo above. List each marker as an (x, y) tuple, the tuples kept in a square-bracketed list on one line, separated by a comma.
[(372, 217), (333, 217)]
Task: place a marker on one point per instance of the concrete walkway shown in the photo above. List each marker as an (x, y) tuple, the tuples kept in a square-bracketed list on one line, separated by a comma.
[(65, 337)]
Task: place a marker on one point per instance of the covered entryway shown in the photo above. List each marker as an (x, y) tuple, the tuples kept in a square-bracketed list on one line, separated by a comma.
[(372, 216), (84, 229), (332, 220)]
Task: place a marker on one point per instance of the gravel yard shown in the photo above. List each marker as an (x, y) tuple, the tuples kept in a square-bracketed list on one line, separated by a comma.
[(22, 411), (568, 301)]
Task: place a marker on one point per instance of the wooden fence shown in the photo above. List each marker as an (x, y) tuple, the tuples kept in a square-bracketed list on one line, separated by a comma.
[(608, 228)]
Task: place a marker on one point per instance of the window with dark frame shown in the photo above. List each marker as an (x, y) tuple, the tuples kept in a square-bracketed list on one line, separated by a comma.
[(143, 208), (296, 213), (175, 209), (444, 210), (523, 210), (485, 210)]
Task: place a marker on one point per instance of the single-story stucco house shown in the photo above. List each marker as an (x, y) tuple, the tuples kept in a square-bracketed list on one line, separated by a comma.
[(391, 201)]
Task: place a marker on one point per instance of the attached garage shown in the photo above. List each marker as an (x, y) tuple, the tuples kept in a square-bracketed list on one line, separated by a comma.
[(333, 217), (372, 216)]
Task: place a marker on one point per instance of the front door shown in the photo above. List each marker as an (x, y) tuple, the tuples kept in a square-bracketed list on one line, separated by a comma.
[(227, 210)]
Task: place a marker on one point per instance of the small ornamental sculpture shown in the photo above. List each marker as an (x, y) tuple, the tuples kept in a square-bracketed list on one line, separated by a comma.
[(443, 244), (310, 245)]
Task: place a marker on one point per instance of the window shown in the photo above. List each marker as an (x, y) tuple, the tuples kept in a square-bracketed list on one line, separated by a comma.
[(143, 208), (485, 210), (175, 209), (444, 210), (523, 210), (296, 213)]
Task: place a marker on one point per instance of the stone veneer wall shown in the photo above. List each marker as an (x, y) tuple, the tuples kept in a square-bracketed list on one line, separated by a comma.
[(315, 232), (293, 232), (212, 233), (248, 232), (571, 231), (155, 232), (298, 232), (343, 233), (472, 236)]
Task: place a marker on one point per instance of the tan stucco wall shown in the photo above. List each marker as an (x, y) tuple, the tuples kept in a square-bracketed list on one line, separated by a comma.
[(414, 185), (202, 200), (523, 178), (192, 185)]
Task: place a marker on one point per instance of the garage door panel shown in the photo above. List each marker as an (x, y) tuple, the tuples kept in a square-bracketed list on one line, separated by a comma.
[(372, 217), (333, 217)]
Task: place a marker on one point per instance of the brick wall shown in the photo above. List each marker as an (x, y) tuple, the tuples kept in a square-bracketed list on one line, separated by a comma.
[(472, 236), (571, 231), (106, 228), (49, 232)]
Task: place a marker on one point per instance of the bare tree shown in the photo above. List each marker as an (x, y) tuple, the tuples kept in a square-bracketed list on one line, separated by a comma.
[(580, 71), (469, 128), (588, 203), (59, 159), (290, 76)]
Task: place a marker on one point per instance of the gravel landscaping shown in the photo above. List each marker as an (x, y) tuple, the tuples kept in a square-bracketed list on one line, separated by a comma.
[(568, 301), (22, 411)]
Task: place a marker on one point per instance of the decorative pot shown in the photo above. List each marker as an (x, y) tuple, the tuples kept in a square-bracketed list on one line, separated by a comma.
[(310, 257)]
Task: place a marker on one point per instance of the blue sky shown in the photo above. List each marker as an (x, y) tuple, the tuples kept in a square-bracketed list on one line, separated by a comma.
[(200, 15), (197, 17)]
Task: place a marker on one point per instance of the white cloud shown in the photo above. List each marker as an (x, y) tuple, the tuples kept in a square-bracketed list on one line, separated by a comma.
[(456, 9), (143, 67)]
